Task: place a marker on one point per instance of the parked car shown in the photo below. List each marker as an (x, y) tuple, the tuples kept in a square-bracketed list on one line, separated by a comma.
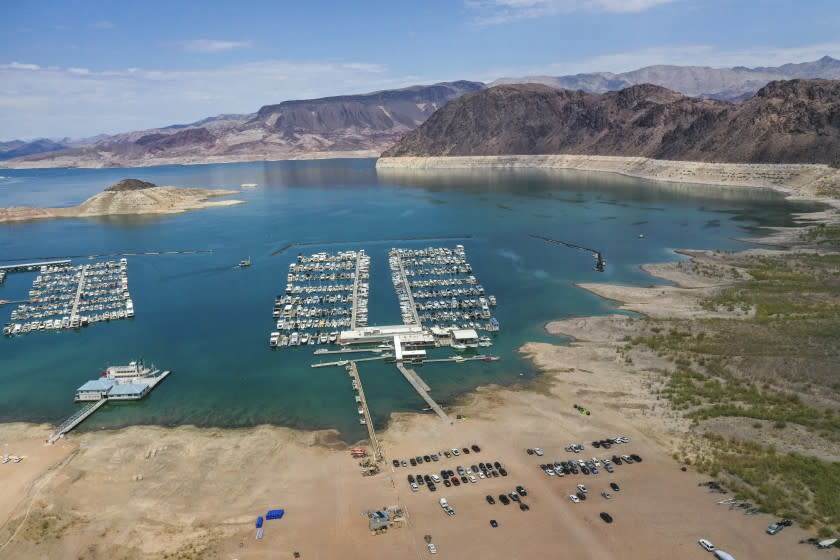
[(465, 480), (497, 464), (419, 460), (636, 457), (706, 545), (435, 457), (538, 451), (513, 496), (574, 499), (413, 462), (504, 499), (431, 486), (455, 481), (582, 488), (455, 452), (410, 478), (609, 469), (581, 496), (475, 448), (461, 470), (474, 468), (614, 486), (521, 491), (427, 458), (404, 463), (447, 483), (606, 517), (503, 472), (529, 451), (473, 479), (396, 463), (465, 450), (432, 548), (414, 487), (494, 523), (436, 479), (774, 528), (523, 506), (447, 454), (490, 500), (606, 495)]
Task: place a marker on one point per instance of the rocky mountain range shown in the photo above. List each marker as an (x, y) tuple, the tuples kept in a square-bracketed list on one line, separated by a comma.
[(349, 124), (725, 84), (363, 125), (795, 121)]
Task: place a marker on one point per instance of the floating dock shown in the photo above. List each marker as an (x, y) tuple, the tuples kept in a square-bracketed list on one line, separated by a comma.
[(34, 266), (108, 389)]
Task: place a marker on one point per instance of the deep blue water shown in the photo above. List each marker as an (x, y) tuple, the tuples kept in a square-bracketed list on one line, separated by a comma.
[(208, 321)]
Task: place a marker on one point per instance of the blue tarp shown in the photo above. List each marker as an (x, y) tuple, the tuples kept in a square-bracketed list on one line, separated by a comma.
[(259, 521), (275, 514)]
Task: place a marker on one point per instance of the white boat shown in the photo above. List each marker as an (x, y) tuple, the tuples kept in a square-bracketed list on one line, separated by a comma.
[(18, 459), (5, 458), (274, 339), (458, 346)]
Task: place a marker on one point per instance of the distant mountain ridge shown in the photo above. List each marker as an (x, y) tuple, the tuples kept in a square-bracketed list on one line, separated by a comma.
[(795, 121), (365, 123), (725, 84)]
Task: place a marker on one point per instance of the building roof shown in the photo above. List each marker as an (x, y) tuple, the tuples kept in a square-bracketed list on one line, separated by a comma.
[(464, 334), (96, 385), (128, 389)]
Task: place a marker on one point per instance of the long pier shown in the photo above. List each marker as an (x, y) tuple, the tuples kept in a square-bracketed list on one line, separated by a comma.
[(77, 418), (75, 310), (407, 286), (355, 308), (345, 362), (374, 442), (29, 267), (421, 388)]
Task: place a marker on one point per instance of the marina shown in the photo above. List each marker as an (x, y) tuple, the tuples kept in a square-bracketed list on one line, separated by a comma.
[(437, 290), (64, 296), (324, 293)]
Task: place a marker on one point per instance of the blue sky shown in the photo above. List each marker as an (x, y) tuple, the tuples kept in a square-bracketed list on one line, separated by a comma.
[(79, 68)]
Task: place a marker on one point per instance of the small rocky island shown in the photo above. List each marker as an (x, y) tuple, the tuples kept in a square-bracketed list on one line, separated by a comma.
[(128, 197)]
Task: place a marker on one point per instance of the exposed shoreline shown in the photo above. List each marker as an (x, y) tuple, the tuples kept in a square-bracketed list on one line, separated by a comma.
[(797, 181), (81, 163), (150, 201)]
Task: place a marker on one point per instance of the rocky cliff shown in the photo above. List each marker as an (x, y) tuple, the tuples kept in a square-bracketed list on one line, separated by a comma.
[(795, 121), (350, 124)]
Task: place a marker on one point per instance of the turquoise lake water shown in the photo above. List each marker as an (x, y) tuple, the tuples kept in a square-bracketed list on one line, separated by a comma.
[(208, 321)]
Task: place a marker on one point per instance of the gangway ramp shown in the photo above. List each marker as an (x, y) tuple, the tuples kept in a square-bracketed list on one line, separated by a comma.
[(421, 387), (374, 442), (77, 418)]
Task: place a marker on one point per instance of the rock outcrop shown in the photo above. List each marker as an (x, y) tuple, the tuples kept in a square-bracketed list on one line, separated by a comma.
[(796, 121)]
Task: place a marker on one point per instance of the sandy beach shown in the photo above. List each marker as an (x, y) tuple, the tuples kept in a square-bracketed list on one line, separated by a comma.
[(149, 492)]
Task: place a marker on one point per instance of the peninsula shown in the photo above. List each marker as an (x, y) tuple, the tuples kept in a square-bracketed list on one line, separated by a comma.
[(128, 197)]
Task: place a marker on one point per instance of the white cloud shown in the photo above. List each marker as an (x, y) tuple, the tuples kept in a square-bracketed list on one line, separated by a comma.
[(494, 12), (213, 46), (103, 24), (38, 101)]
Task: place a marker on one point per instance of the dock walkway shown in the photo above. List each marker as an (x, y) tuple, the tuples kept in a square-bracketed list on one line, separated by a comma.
[(355, 309), (407, 286), (374, 442), (29, 267), (77, 418), (421, 387), (74, 313)]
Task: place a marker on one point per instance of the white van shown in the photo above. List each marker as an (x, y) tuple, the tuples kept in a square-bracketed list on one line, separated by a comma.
[(706, 544)]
